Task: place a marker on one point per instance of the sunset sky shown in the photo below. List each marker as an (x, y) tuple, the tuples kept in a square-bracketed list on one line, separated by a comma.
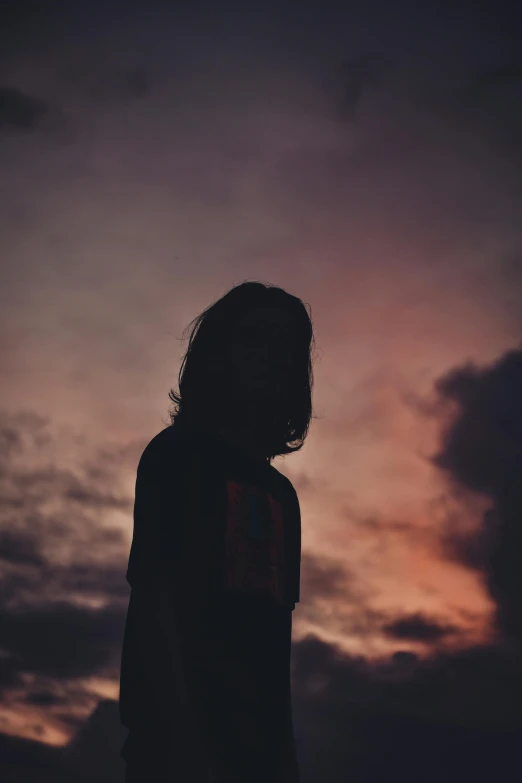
[(369, 161)]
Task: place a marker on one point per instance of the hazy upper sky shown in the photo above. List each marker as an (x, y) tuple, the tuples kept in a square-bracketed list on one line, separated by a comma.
[(152, 155)]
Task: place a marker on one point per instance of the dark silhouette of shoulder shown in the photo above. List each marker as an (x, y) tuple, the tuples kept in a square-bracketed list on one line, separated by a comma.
[(166, 446)]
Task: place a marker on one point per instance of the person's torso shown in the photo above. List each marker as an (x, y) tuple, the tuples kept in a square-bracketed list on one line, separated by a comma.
[(236, 557)]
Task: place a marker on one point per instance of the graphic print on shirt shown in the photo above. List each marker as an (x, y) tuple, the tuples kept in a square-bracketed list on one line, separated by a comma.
[(254, 542)]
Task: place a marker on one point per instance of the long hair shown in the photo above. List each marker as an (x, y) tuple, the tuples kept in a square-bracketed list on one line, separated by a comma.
[(203, 378)]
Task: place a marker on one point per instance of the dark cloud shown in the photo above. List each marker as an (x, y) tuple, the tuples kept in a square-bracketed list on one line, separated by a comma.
[(21, 111), (32, 762), (19, 547), (471, 548), (352, 715), (59, 620), (322, 578), (66, 485), (453, 716), (43, 698), (61, 640), (416, 627), (31, 480), (10, 439), (382, 527), (327, 582), (482, 449), (483, 445), (88, 496), (94, 751)]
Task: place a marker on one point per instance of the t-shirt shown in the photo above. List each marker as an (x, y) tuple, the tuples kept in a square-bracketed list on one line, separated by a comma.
[(220, 532)]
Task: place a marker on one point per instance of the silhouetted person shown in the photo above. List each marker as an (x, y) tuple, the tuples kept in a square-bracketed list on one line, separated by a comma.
[(214, 565)]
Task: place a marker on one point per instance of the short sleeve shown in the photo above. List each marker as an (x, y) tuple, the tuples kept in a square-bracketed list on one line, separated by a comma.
[(162, 493)]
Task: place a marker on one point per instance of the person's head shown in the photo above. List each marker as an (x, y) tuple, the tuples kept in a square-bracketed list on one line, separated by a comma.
[(248, 368)]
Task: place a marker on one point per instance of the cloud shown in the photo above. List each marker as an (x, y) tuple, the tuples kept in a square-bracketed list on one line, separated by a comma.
[(335, 600), (416, 627), (94, 752), (61, 640), (453, 717), (458, 709), (31, 762), (472, 548), (62, 563), (326, 582), (32, 480), (43, 698), (19, 547), (482, 450), (322, 578), (483, 446), (21, 111)]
